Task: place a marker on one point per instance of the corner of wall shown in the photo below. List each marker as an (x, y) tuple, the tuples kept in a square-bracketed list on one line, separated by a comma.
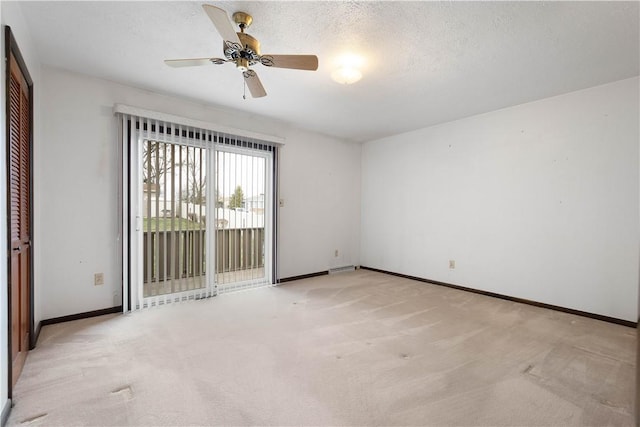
[(549, 188)]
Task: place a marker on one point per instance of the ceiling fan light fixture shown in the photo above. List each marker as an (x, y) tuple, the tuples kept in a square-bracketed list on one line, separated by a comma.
[(242, 64), (346, 75), (243, 50)]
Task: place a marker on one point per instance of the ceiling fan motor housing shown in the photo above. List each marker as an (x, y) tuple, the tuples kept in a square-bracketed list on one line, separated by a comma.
[(249, 51)]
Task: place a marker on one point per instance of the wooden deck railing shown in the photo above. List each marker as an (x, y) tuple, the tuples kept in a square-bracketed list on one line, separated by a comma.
[(169, 255)]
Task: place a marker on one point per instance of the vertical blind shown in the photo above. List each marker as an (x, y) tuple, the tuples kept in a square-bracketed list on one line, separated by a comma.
[(189, 195)]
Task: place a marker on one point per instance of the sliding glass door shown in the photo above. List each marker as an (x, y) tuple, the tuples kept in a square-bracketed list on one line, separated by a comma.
[(243, 207), (201, 214), (174, 207)]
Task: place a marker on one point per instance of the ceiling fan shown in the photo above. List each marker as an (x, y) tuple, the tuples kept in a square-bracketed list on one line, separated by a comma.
[(244, 51)]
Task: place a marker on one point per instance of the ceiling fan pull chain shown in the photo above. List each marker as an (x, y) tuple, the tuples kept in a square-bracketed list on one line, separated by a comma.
[(244, 89)]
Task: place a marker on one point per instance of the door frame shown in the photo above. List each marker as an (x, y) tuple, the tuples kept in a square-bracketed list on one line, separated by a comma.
[(135, 130), (11, 48)]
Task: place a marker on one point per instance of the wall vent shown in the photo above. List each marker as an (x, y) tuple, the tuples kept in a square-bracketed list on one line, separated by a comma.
[(342, 269)]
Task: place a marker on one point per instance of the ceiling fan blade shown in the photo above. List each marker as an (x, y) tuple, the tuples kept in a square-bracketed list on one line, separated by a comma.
[(222, 23), (254, 84), (297, 62), (193, 62)]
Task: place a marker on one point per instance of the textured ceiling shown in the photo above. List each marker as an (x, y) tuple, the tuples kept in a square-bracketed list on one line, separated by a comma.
[(426, 62)]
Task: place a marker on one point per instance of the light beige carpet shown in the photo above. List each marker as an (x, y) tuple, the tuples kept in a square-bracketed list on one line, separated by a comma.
[(358, 348)]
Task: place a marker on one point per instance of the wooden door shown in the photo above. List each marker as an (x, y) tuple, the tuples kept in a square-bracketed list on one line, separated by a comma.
[(19, 198)]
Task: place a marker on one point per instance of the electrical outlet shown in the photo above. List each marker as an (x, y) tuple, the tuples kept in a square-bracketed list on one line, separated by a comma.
[(452, 264), (98, 279), (335, 254)]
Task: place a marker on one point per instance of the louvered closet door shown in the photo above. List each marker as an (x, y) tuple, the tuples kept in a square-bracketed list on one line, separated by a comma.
[(19, 168)]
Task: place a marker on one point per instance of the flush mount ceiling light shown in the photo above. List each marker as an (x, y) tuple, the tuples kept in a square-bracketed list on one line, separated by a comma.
[(348, 69), (346, 75)]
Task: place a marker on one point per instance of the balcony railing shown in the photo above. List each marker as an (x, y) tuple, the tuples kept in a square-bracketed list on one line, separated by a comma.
[(180, 254)]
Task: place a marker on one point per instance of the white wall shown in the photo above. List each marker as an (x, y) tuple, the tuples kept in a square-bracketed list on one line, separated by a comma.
[(320, 186), (537, 201), (319, 179), (11, 15)]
